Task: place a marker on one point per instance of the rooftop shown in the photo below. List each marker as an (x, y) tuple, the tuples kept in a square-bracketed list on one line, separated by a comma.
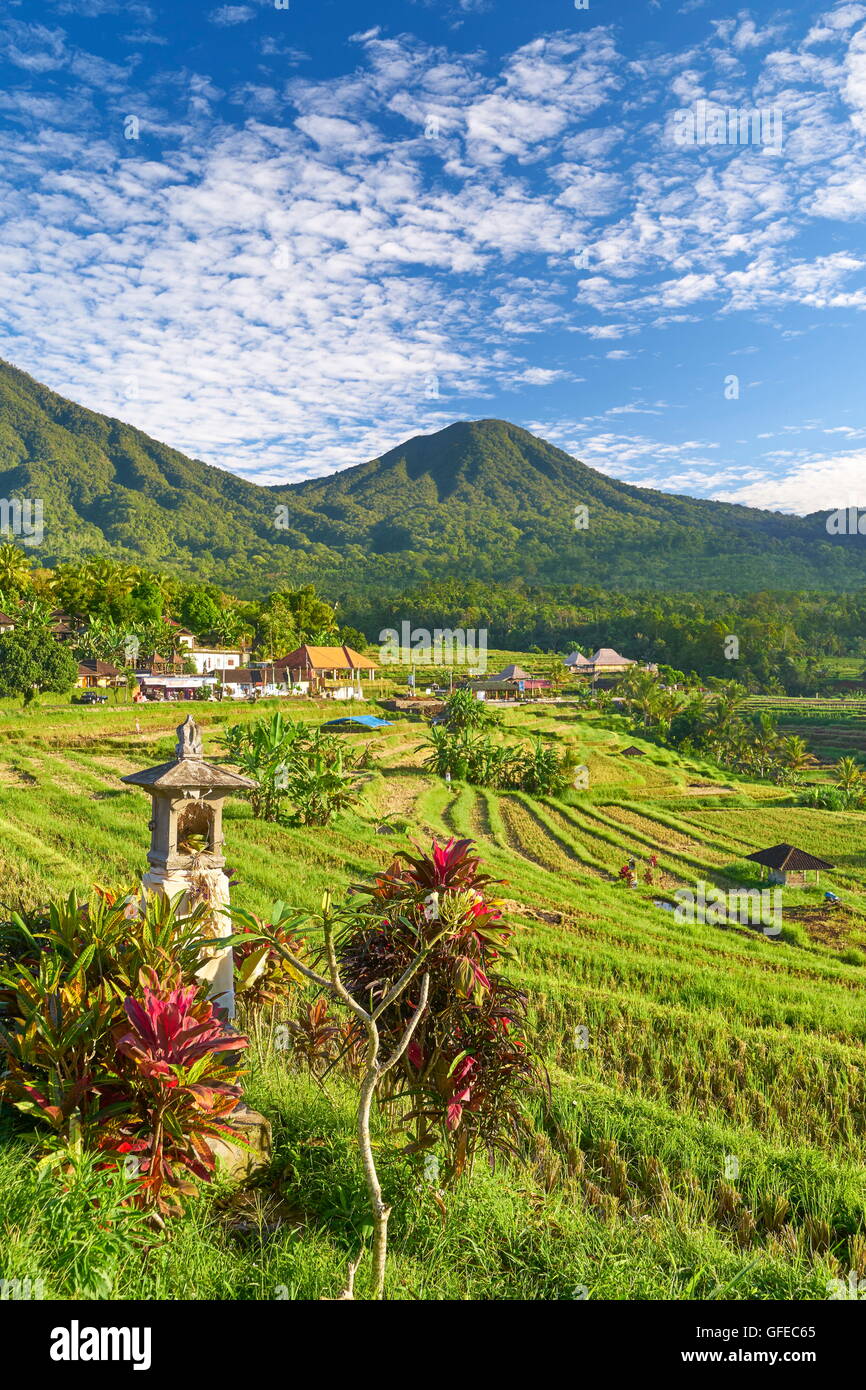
[(325, 659), (606, 656), (787, 857)]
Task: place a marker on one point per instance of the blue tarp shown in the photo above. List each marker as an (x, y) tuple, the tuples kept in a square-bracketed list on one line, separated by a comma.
[(369, 721)]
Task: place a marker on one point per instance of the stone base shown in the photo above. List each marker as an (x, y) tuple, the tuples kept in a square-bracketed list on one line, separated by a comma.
[(239, 1161)]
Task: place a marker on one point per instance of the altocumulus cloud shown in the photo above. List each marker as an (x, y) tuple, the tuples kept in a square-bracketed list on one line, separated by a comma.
[(290, 275)]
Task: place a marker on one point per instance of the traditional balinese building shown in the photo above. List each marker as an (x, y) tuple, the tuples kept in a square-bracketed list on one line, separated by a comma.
[(607, 662), (577, 661), (512, 683), (314, 667), (512, 673), (183, 637), (789, 865), (63, 628), (7, 624)]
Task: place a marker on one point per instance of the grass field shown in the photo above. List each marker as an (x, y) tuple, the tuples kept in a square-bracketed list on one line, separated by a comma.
[(703, 1134)]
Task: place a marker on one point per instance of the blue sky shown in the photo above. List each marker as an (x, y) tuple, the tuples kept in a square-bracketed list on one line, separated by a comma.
[(285, 239)]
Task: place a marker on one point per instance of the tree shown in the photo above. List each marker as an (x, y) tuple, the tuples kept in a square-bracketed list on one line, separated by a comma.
[(293, 763), (850, 783), (291, 617), (463, 710), (557, 672), (145, 601), (795, 757), (449, 1055), (15, 570), (199, 609), (31, 661)]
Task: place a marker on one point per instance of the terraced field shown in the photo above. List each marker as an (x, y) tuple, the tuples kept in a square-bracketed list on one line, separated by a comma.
[(703, 1133)]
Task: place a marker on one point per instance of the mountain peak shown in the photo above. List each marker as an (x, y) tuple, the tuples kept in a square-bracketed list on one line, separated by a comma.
[(478, 499)]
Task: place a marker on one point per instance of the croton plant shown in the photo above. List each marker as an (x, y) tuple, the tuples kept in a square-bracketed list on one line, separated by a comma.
[(106, 1036), (468, 1065)]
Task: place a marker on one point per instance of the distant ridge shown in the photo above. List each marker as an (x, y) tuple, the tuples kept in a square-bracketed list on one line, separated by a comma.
[(479, 499)]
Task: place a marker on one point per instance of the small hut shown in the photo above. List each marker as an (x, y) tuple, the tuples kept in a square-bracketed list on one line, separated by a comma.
[(632, 752), (789, 865)]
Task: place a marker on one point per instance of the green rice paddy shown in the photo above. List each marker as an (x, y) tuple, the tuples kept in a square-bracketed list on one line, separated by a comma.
[(702, 1138)]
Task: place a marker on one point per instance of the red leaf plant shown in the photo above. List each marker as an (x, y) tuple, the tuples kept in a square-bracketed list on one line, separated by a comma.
[(468, 1068), (176, 1081)]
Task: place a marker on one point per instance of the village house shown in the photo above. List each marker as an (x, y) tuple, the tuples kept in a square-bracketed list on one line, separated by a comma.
[(183, 637), (607, 662), (244, 682), (97, 675), (63, 628), (512, 683), (172, 687), (61, 624), (206, 659)]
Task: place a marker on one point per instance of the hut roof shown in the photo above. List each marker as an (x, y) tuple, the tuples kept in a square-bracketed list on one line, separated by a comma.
[(325, 659), (97, 668), (512, 673), (577, 659), (606, 656), (632, 752), (785, 857)]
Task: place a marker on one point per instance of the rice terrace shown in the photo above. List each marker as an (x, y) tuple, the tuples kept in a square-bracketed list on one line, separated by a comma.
[(701, 1135)]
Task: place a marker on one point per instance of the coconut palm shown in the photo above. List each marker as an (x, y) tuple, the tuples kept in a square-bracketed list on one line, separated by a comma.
[(850, 783), (15, 569), (795, 757)]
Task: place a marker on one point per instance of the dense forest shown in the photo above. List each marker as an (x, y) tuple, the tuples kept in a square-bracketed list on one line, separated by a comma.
[(783, 638)]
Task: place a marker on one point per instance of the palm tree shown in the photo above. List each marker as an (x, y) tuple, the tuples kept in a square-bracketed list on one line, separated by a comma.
[(850, 782), (107, 582), (640, 690), (668, 705), (764, 744), (15, 569), (795, 757)]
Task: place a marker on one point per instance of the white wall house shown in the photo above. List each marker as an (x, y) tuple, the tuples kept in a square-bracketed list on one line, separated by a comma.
[(213, 658)]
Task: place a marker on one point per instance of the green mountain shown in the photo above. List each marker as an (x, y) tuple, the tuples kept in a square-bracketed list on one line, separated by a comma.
[(481, 500)]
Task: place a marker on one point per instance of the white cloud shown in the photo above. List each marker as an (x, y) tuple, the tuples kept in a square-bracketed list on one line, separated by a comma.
[(228, 15), (816, 484), (285, 267)]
